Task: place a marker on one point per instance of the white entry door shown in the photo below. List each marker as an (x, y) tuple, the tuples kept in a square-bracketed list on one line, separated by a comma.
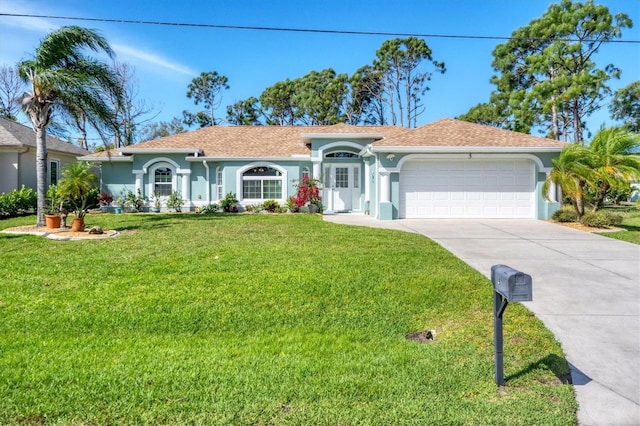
[(341, 192)]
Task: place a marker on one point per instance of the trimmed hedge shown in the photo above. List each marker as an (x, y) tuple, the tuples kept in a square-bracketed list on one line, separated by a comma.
[(601, 219), (565, 214)]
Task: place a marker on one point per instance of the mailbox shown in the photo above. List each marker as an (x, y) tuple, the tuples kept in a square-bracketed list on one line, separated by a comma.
[(514, 285)]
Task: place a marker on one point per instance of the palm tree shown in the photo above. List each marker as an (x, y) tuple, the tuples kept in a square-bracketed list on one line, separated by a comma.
[(616, 155), (571, 172), (62, 79)]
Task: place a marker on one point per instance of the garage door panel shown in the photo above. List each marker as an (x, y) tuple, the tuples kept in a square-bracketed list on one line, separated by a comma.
[(467, 189)]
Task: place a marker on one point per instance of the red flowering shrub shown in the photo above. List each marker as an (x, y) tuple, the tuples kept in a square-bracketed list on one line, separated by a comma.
[(308, 191)]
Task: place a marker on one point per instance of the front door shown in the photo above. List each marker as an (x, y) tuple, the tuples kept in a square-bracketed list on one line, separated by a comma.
[(341, 188)]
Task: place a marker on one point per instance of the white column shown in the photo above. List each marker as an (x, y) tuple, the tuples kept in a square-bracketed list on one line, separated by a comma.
[(139, 185), (367, 183), (316, 170), (385, 187), (186, 196), (553, 191)]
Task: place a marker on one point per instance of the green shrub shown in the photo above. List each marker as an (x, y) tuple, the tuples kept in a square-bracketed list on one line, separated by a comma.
[(18, 201), (211, 208), (271, 206), (565, 214), (175, 201), (601, 219), (229, 203)]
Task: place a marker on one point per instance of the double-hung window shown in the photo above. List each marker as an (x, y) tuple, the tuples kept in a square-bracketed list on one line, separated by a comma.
[(163, 181), (262, 183)]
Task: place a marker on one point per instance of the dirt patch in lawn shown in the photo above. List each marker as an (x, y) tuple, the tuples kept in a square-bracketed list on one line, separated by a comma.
[(63, 234), (585, 228)]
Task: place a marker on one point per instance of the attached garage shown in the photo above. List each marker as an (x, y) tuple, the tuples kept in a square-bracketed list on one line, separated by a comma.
[(467, 188)]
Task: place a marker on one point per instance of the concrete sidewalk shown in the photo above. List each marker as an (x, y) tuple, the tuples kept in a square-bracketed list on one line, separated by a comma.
[(586, 290)]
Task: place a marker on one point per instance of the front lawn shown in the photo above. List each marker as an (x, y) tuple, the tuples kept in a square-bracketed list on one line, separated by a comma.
[(260, 319), (630, 222)]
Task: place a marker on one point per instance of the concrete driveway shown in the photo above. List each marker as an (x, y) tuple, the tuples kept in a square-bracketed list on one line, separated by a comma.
[(586, 290)]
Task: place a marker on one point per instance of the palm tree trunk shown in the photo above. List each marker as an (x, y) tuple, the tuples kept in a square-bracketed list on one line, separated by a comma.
[(41, 173)]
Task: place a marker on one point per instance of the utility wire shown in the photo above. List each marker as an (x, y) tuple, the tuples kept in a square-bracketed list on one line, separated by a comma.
[(282, 29)]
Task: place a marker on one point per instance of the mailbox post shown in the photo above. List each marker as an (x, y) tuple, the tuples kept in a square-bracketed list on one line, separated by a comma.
[(509, 285)]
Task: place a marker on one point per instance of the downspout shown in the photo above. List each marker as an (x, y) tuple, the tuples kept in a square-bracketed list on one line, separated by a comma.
[(208, 194)]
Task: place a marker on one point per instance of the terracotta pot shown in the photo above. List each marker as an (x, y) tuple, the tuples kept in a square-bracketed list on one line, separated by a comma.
[(52, 221), (77, 225)]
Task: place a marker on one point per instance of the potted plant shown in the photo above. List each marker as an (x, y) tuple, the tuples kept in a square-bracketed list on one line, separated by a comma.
[(157, 202), (52, 210), (135, 200), (75, 188), (105, 201)]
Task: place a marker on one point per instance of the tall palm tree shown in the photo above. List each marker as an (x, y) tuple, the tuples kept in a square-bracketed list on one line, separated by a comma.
[(616, 155), (62, 79), (571, 172)]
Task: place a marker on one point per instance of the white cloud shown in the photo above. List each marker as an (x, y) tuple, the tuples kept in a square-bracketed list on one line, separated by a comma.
[(151, 59), (40, 25)]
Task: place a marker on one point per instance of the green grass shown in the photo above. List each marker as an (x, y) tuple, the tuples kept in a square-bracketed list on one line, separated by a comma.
[(260, 320), (630, 222)]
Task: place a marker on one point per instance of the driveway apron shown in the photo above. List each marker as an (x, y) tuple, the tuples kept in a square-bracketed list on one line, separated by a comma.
[(586, 290)]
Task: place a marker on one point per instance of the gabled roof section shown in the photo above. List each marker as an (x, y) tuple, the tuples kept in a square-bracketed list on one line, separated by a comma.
[(13, 134), (450, 133)]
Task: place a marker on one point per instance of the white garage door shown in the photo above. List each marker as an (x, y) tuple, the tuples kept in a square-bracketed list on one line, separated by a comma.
[(467, 189)]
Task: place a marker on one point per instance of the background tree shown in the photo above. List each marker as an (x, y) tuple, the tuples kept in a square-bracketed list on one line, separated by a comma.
[(11, 88), (546, 69), (244, 113), (625, 106), (278, 104), (405, 81), (206, 88), (320, 97), (366, 102), (61, 77), (130, 112), (162, 129)]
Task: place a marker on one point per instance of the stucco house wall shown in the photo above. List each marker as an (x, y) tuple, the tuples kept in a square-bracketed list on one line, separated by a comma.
[(361, 169)]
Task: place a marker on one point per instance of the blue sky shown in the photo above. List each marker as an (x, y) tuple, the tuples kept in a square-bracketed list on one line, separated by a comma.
[(167, 58)]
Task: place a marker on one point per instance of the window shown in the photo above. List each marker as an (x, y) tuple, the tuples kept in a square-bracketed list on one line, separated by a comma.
[(342, 154), (219, 182), (54, 172), (356, 177), (262, 183), (163, 181), (305, 173)]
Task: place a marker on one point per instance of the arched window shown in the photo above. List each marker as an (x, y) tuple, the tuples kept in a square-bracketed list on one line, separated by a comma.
[(163, 181), (341, 154), (262, 183)]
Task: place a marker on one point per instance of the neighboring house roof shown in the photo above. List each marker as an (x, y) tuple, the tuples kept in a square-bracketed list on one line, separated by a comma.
[(291, 141), (456, 133), (13, 134)]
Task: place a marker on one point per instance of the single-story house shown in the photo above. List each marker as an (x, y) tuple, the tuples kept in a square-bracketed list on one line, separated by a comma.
[(446, 169), (18, 156)]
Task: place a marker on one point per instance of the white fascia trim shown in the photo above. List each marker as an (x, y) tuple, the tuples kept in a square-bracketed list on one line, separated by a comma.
[(113, 159), (463, 149), (249, 159), (375, 136), (195, 152), (460, 156)]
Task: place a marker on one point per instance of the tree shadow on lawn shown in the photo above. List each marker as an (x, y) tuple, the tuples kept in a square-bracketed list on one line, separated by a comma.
[(164, 220), (558, 366)]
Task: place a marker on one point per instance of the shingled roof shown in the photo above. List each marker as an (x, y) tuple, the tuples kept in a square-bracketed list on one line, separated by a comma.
[(289, 141), (13, 134), (456, 133)]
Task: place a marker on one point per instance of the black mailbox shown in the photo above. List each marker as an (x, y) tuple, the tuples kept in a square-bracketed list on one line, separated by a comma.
[(514, 285)]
